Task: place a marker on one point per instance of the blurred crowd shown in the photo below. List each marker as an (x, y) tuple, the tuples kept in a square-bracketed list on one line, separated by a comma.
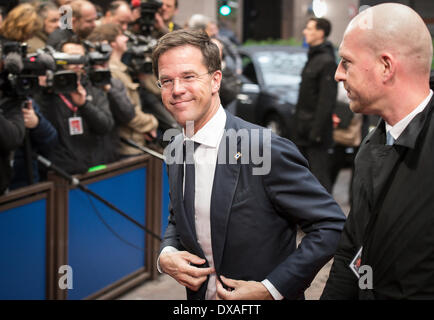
[(76, 84)]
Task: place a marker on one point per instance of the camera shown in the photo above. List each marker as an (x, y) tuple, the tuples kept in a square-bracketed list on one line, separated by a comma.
[(148, 9), (97, 56), (138, 56), (21, 72)]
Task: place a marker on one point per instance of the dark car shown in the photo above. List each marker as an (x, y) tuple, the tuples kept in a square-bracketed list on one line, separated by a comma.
[(270, 83), (271, 78)]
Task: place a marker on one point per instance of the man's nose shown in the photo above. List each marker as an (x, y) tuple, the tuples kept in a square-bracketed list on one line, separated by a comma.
[(340, 73), (178, 87)]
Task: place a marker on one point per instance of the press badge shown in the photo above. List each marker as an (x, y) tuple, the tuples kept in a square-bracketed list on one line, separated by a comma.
[(356, 262), (75, 126)]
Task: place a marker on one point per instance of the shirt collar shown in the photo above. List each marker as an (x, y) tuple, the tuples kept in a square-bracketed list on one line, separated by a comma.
[(399, 127), (210, 134)]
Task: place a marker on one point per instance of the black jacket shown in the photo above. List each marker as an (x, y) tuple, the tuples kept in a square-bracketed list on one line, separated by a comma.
[(42, 139), (11, 136), (317, 98), (391, 217), (77, 153), (58, 37)]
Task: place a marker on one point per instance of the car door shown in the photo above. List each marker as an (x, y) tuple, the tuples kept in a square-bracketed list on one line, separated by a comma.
[(248, 97)]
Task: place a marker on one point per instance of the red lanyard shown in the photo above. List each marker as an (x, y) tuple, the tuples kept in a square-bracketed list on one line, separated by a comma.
[(68, 103)]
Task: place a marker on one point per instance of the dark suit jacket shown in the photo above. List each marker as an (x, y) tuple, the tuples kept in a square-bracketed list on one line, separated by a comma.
[(392, 217), (254, 218)]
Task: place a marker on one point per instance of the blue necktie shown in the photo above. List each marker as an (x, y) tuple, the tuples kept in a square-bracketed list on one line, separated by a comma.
[(389, 139), (189, 181)]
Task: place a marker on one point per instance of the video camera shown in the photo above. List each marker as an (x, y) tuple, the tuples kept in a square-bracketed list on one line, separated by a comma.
[(97, 55), (138, 56), (148, 9), (21, 72)]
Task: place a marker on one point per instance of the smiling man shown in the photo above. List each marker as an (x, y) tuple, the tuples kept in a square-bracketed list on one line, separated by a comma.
[(231, 233), (385, 67)]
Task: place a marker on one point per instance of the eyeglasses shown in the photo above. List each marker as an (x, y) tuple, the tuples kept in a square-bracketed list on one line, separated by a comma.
[(186, 80)]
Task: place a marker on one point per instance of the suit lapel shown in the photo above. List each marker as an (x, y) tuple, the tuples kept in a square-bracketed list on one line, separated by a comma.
[(223, 191), (381, 162), (184, 220)]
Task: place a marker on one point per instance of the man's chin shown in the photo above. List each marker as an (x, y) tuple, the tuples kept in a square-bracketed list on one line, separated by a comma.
[(355, 107)]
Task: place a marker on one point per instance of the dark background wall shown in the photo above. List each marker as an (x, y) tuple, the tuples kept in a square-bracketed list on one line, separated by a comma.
[(262, 19), (424, 7)]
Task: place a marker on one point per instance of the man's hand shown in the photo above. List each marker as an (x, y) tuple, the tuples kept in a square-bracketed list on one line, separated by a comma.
[(31, 119), (159, 23), (242, 290), (151, 135), (178, 266)]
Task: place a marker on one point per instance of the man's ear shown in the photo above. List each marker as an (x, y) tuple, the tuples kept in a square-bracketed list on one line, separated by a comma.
[(388, 66), (216, 80)]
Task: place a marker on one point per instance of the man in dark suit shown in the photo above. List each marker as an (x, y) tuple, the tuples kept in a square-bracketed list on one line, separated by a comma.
[(313, 125), (386, 249), (235, 204)]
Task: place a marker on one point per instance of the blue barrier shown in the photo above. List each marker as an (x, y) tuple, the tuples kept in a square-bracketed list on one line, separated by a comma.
[(52, 225), (22, 252), (25, 254), (103, 246)]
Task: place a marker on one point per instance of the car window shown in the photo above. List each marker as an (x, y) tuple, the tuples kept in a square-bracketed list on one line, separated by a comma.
[(249, 69), (280, 68)]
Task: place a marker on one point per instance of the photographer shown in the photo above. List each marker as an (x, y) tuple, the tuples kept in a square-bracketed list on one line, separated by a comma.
[(19, 25), (50, 16), (143, 126), (118, 12), (162, 19), (82, 118), (41, 138), (84, 16), (11, 137)]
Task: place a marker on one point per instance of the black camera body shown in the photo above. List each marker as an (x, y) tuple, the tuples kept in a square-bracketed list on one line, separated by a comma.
[(97, 56), (138, 57), (148, 9), (21, 72)]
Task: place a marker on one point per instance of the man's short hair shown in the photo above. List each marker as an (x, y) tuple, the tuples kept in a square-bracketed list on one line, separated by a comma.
[(73, 39), (43, 7), (195, 38), (105, 32), (114, 5), (323, 24), (76, 6)]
